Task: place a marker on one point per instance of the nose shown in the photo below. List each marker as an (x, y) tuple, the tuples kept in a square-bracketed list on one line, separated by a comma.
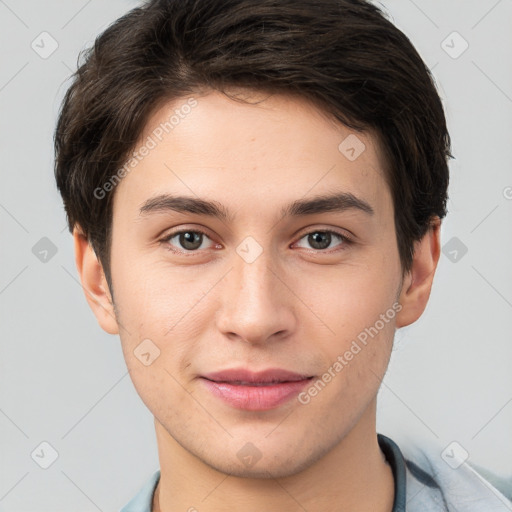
[(257, 305)]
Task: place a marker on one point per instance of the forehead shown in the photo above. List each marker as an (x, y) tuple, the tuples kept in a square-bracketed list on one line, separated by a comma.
[(269, 148)]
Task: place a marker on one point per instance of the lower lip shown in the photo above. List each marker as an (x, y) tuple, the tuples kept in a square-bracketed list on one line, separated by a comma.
[(256, 398)]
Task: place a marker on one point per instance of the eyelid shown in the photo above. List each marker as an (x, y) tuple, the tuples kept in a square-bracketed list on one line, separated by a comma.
[(344, 233)]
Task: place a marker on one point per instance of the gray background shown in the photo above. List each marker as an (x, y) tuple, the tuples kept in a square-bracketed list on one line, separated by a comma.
[(63, 380)]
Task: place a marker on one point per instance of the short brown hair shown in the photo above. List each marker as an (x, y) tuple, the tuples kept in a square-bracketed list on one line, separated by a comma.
[(343, 55)]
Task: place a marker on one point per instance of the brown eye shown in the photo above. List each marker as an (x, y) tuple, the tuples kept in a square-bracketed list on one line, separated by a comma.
[(190, 240), (186, 240), (321, 239)]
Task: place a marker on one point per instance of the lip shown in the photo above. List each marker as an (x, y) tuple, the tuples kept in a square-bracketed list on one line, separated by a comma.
[(255, 391), (264, 376)]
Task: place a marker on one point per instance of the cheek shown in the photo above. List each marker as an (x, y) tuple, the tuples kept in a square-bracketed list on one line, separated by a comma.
[(358, 304), (146, 291), (350, 298), (161, 325), (164, 305), (361, 313)]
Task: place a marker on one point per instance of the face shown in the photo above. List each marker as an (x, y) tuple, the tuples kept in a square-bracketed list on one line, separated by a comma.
[(266, 276)]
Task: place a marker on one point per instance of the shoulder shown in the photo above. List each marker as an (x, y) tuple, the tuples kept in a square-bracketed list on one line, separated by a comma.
[(439, 479)]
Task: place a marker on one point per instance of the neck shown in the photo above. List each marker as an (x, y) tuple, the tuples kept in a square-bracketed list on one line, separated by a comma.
[(353, 476)]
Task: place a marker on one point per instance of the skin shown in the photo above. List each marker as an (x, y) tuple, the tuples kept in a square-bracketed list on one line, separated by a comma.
[(295, 307)]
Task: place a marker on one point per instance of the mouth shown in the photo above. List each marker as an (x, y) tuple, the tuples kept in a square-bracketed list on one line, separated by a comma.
[(253, 384), (255, 391), (242, 376)]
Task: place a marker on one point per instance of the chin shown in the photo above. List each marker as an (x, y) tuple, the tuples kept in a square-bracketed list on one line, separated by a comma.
[(271, 462), (262, 469)]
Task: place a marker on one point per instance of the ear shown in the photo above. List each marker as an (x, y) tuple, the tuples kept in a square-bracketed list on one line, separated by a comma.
[(418, 281), (94, 283)]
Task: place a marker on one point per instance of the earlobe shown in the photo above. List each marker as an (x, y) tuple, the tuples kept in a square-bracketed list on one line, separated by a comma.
[(94, 283), (417, 284)]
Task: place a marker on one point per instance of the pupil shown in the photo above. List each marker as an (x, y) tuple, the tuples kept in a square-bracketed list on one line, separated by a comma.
[(190, 240), (320, 240)]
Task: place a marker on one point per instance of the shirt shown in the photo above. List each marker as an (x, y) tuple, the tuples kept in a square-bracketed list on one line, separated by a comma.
[(424, 482)]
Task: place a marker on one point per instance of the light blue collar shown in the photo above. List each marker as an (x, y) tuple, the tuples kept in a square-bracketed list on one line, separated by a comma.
[(142, 501)]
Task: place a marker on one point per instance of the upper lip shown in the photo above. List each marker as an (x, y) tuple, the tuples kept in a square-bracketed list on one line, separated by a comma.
[(245, 375)]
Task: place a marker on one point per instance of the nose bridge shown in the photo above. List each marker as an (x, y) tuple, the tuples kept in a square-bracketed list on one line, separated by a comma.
[(255, 303), (255, 276)]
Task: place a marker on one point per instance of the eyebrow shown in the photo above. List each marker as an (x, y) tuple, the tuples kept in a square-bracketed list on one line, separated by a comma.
[(335, 202)]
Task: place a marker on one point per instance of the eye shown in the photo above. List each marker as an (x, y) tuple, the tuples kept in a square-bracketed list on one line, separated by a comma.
[(193, 240), (188, 240), (321, 239)]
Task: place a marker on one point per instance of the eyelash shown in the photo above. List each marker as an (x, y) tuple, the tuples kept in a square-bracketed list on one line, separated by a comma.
[(346, 241)]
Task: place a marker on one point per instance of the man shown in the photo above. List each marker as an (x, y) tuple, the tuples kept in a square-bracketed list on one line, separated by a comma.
[(255, 191)]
